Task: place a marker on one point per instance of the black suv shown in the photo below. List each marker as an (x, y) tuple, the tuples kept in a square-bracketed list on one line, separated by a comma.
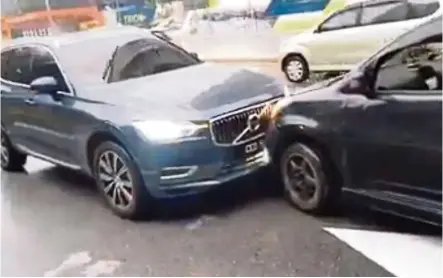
[(375, 133)]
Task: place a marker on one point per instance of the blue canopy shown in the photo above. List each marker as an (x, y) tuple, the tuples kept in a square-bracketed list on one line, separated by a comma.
[(282, 7)]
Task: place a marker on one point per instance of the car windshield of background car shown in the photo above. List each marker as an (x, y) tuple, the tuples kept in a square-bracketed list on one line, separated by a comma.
[(85, 61), (414, 36)]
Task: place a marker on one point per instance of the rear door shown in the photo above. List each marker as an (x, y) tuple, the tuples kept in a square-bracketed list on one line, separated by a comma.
[(381, 23), (17, 109), (333, 46)]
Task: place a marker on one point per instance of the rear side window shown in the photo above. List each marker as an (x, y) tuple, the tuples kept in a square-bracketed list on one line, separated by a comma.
[(422, 8), (384, 13)]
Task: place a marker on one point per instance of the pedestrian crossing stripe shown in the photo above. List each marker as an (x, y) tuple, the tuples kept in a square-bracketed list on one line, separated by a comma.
[(403, 255)]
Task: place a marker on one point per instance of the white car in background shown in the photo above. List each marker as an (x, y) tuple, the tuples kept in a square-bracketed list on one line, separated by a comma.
[(351, 35)]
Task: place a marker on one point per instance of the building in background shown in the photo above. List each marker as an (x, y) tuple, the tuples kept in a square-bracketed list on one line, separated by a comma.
[(45, 17)]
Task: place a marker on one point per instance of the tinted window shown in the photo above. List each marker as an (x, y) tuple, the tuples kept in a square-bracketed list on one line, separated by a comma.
[(44, 64), (155, 60), (5, 60), (383, 13), (24, 64), (417, 67), (422, 8), (18, 67), (343, 19)]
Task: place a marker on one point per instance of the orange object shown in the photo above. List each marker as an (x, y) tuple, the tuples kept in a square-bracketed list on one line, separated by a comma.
[(45, 22)]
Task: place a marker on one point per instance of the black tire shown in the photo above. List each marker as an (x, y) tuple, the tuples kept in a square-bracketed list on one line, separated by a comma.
[(11, 159), (316, 167), (298, 61), (140, 204)]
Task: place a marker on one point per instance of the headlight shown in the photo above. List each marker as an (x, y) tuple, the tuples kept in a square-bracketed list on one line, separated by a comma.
[(164, 131)]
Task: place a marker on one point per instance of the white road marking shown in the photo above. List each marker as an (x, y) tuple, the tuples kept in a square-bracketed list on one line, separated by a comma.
[(403, 255), (72, 261), (34, 165), (101, 267), (199, 222)]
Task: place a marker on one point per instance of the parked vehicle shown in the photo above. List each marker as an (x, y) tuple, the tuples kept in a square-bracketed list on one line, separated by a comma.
[(373, 134), (145, 118), (351, 35)]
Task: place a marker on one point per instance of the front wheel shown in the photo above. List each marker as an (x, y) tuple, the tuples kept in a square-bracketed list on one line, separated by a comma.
[(119, 181), (304, 175)]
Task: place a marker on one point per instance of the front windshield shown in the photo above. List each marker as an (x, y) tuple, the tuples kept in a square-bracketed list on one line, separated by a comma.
[(85, 61)]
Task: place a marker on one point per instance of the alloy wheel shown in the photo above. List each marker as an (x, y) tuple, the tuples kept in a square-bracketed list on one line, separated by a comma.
[(295, 70), (302, 181), (4, 152), (115, 179)]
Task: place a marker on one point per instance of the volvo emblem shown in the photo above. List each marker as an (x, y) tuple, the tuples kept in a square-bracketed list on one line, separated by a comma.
[(253, 122)]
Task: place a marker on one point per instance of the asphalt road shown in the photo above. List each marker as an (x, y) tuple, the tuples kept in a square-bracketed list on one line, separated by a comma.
[(54, 224)]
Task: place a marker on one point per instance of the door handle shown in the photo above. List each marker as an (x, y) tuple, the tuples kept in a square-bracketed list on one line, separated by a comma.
[(30, 101), (413, 66)]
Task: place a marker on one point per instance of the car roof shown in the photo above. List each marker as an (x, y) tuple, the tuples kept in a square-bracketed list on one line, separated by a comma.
[(356, 3), (60, 40)]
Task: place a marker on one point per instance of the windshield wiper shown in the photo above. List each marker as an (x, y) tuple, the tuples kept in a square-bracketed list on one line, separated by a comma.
[(108, 64)]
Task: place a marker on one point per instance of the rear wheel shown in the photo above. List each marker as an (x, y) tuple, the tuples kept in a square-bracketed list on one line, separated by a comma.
[(295, 68), (11, 159), (305, 178), (119, 181)]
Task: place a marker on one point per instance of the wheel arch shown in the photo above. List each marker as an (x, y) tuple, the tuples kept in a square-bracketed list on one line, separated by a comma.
[(293, 54), (305, 135), (95, 140)]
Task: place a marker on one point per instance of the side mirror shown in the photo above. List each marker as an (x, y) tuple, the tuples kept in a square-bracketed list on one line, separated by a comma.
[(45, 85), (195, 55), (358, 83)]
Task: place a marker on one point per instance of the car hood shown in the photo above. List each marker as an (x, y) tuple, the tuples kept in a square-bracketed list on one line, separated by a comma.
[(194, 93)]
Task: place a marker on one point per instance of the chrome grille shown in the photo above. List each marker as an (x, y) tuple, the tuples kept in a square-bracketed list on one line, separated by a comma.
[(227, 128)]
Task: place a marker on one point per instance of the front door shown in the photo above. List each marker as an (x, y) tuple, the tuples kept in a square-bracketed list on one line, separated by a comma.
[(19, 113), (394, 140)]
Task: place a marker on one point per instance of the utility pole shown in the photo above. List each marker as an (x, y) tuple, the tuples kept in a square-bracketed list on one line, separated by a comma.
[(117, 10), (50, 19)]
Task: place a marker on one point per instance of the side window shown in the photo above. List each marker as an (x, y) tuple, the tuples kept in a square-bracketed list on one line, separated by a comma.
[(44, 64), (343, 19), (415, 68), (18, 68), (422, 8), (384, 13), (5, 59)]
